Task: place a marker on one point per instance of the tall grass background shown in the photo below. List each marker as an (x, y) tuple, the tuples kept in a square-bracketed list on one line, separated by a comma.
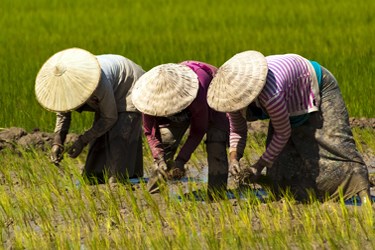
[(337, 34), (44, 207)]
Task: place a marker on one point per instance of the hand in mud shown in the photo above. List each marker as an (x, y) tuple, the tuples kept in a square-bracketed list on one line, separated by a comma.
[(158, 175), (161, 167), (246, 176), (234, 167), (234, 164), (56, 154), (258, 168), (253, 173), (178, 170), (76, 148)]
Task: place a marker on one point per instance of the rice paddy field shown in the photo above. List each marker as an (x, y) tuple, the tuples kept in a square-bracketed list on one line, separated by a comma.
[(46, 207)]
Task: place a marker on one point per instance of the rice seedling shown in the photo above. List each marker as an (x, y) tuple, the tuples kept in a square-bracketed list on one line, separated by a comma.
[(47, 207)]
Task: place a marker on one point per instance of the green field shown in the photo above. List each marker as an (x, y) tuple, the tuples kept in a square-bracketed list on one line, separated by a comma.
[(338, 34), (45, 207)]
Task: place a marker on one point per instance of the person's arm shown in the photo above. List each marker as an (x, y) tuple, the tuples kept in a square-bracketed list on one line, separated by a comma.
[(279, 116), (107, 112), (62, 125), (151, 131), (238, 134), (105, 99), (198, 126), (199, 109)]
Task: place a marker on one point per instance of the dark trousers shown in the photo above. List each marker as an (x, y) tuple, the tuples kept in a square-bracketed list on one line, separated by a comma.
[(118, 152), (216, 146)]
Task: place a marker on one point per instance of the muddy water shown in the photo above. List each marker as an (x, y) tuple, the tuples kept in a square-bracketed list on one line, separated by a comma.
[(199, 178), (42, 140)]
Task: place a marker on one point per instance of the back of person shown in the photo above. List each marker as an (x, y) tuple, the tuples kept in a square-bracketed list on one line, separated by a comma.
[(293, 77), (205, 73), (121, 73)]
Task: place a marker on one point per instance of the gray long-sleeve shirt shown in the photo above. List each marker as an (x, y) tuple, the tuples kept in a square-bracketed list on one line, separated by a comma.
[(113, 95)]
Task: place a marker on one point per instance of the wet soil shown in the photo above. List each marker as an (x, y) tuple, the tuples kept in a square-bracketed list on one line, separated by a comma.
[(15, 138)]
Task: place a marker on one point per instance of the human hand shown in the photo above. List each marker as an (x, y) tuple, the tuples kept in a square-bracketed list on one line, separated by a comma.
[(56, 154), (76, 148), (252, 174), (178, 170), (160, 163), (160, 166), (258, 168), (234, 167), (158, 174), (246, 176)]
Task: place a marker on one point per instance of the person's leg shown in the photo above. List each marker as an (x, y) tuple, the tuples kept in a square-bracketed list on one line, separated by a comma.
[(138, 170), (216, 147), (341, 167), (95, 161), (293, 170), (322, 152), (122, 147), (171, 136)]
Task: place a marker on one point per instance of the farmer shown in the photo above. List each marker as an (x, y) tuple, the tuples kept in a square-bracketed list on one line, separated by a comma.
[(76, 80), (172, 98), (310, 147)]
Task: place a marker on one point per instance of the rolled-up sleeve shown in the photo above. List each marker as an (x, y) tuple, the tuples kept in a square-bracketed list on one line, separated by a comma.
[(150, 128)]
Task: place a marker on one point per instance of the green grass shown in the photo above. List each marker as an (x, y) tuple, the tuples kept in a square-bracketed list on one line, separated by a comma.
[(42, 207), (338, 35), (45, 207), (364, 139)]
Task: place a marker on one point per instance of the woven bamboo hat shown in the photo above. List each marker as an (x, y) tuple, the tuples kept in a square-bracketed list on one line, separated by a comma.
[(238, 82), (165, 90), (67, 80)]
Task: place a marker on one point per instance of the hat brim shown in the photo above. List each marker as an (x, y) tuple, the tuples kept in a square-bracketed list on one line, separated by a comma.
[(165, 90), (67, 80), (238, 82)]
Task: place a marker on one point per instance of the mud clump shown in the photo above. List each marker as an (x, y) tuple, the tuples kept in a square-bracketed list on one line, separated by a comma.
[(18, 138), (362, 122), (15, 138)]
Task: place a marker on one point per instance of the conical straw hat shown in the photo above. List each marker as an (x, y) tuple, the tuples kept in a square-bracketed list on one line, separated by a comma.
[(238, 82), (165, 90), (67, 80)]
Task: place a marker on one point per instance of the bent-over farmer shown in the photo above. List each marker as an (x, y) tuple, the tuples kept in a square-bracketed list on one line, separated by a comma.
[(76, 80), (172, 98), (310, 147)]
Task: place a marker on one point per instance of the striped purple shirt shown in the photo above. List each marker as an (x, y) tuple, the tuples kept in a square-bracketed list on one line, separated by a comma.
[(291, 89)]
